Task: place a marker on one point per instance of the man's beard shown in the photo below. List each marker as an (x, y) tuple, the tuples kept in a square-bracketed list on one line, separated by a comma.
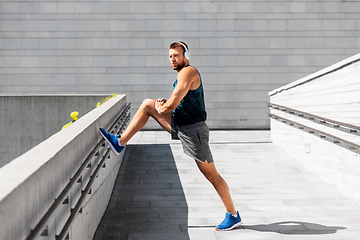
[(179, 66)]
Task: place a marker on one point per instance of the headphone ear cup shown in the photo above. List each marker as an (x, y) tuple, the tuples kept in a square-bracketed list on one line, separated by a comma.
[(186, 51), (187, 55)]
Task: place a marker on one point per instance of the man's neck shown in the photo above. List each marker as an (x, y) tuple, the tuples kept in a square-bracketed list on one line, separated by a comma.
[(183, 68)]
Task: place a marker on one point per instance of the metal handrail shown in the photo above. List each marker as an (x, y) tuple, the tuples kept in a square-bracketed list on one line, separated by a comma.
[(345, 127), (328, 137), (40, 227)]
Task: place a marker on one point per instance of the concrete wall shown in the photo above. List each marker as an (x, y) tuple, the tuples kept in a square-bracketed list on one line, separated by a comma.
[(333, 93), (243, 49), (31, 183), (27, 120)]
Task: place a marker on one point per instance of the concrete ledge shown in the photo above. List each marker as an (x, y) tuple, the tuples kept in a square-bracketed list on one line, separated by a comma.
[(317, 74), (30, 119), (31, 183)]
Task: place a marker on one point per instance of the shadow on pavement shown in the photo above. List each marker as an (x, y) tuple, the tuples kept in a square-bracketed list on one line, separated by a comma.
[(293, 227), (148, 200)]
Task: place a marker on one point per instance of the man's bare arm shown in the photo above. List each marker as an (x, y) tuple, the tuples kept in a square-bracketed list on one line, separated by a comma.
[(186, 78)]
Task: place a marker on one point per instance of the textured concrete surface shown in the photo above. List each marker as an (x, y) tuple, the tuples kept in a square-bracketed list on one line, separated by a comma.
[(160, 193)]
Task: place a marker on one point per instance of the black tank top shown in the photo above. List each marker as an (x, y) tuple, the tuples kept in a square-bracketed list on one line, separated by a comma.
[(191, 108)]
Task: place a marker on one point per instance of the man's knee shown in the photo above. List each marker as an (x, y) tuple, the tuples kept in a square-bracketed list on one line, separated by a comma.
[(148, 103)]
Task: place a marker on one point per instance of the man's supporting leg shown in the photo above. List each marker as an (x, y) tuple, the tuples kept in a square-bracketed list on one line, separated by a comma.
[(146, 110), (221, 187)]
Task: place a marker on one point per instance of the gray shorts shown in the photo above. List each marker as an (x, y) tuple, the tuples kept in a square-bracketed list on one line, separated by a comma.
[(194, 139)]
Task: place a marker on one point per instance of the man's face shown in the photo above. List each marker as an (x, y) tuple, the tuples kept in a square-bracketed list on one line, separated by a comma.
[(177, 58)]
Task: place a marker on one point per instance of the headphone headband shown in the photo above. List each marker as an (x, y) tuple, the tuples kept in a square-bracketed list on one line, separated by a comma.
[(186, 53)]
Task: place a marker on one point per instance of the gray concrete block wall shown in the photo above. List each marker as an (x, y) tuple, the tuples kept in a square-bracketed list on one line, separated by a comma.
[(243, 49)]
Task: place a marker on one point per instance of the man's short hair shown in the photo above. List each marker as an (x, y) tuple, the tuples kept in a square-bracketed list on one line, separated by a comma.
[(178, 44)]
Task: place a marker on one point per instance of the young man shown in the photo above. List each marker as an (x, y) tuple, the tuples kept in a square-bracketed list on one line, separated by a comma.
[(183, 115)]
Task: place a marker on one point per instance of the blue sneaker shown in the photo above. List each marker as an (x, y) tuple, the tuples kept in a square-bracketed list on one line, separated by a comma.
[(112, 140), (229, 222)]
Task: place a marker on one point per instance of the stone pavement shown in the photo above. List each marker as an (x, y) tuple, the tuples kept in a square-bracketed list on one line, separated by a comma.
[(160, 194)]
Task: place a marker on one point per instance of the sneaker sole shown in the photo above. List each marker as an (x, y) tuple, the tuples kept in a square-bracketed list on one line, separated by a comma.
[(110, 144), (232, 227)]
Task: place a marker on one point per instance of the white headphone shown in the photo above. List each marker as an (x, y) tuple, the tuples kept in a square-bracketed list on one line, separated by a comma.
[(186, 53)]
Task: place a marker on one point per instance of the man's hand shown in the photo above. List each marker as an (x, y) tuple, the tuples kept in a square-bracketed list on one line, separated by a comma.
[(158, 103), (162, 100)]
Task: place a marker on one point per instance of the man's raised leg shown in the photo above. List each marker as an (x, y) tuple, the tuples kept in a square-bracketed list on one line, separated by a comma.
[(146, 110)]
